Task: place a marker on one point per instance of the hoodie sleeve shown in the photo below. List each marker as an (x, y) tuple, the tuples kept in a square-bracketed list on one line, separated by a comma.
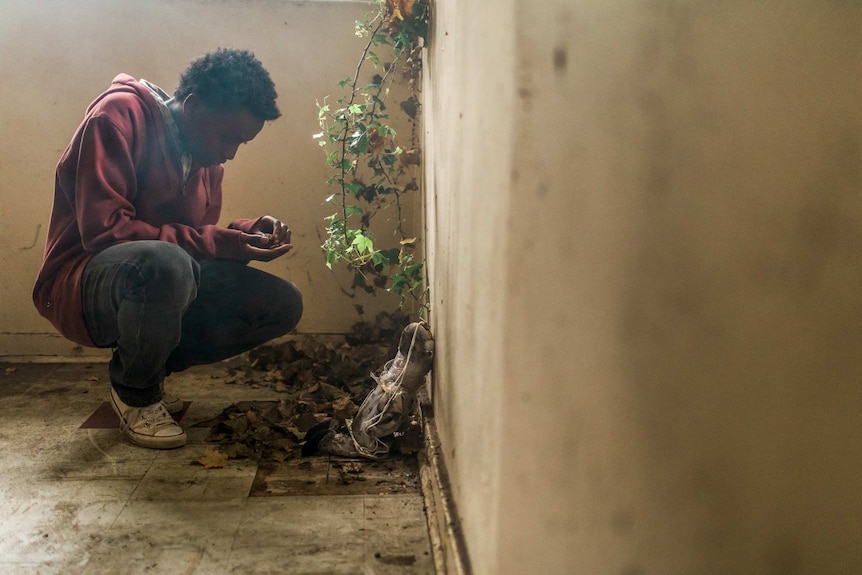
[(105, 191)]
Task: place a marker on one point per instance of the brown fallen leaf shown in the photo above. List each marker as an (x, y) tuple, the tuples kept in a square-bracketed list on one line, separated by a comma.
[(236, 451), (344, 408), (350, 472), (318, 379), (213, 458), (253, 418)]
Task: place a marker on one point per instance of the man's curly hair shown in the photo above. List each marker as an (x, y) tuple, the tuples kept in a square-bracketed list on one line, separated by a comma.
[(231, 79)]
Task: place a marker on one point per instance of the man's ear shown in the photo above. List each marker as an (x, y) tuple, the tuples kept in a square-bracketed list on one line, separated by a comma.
[(192, 105)]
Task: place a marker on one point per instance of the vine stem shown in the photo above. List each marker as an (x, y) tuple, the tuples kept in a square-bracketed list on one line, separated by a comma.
[(358, 122), (347, 125)]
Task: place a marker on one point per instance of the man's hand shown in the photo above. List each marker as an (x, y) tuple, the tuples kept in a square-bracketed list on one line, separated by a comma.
[(279, 233), (268, 239)]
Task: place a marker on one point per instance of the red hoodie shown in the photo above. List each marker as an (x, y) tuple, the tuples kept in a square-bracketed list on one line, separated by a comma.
[(120, 180)]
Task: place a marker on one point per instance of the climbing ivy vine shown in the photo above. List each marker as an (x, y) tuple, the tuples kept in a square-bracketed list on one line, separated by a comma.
[(374, 168)]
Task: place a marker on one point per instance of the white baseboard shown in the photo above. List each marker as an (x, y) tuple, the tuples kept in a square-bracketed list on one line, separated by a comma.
[(45, 348), (447, 541)]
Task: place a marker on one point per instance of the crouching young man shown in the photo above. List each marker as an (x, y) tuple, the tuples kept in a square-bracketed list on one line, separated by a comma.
[(134, 258)]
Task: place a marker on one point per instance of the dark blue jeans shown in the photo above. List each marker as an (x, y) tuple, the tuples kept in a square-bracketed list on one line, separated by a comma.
[(162, 312)]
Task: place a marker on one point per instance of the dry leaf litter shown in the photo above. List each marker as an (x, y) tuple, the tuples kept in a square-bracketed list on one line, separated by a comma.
[(323, 381)]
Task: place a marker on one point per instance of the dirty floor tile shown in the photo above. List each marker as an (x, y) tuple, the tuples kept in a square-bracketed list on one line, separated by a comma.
[(178, 475), (336, 476), (300, 521), (79, 499), (319, 558)]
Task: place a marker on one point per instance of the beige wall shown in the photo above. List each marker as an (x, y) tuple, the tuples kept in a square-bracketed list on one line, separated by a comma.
[(646, 228), (56, 56)]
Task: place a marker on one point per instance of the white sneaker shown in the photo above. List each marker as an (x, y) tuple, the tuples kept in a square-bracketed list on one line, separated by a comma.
[(172, 403), (150, 426)]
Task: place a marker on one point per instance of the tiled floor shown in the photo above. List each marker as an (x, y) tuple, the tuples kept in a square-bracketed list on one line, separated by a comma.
[(79, 500)]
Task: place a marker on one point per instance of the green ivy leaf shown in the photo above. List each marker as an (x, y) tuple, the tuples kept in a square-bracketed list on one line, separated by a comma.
[(331, 258), (380, 39), (378, 259), (391, 255), (360, 148), (363, 243), (353, 186), (359, 143)]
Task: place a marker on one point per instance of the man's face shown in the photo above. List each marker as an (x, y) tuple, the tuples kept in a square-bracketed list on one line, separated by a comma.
[(213, 135)]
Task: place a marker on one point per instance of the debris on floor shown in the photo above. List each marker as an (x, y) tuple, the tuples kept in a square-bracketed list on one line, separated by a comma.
[(212, 458), (330, 475), (80, 499), (386, 414), (324, 381)]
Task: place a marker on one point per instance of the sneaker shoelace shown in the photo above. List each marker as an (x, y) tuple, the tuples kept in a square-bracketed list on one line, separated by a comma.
[(153, 417)]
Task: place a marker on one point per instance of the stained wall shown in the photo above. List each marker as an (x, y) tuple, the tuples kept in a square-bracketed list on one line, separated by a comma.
[(644, 227)]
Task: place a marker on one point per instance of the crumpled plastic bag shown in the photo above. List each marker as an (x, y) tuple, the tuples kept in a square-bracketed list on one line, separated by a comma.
[(389, 406)]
